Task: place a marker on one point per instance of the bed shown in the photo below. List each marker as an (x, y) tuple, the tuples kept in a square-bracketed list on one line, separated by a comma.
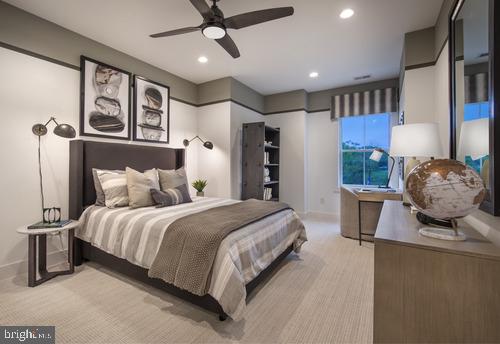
[(127, 240)]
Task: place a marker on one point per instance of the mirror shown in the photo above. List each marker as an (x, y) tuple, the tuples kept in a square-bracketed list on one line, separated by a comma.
[(472, 97)]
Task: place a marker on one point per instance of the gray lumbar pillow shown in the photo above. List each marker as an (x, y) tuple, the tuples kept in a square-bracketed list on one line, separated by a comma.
[(100, 199), (170, 179), (138, 186), (114, 186), (172, 196)]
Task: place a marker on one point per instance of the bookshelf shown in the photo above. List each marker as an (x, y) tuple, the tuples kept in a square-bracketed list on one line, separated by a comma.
[(261, 162)]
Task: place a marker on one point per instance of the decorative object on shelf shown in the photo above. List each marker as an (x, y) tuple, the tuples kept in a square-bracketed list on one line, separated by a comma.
[(446, 190), (267, 177), (50, 215), (104, 101), (475, 143), (206, 144), (266, 158), (151, 111), (199, 185), (412, 141), (377, 156)]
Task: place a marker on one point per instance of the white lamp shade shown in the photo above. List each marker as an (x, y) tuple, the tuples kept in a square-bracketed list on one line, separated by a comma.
[(416, 140), (376, 155), (474, 139)]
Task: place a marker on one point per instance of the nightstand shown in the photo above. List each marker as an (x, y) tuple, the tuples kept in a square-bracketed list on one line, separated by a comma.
[(37, 247)]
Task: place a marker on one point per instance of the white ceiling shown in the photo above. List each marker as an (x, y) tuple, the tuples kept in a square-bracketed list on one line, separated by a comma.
[(275, 56)]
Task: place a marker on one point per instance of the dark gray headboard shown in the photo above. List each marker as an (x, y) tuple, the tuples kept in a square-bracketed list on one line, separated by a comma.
[(85, 155)]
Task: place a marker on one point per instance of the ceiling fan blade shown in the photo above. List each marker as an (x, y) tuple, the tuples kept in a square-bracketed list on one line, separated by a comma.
[(202, 7), (228, 44), (175, 32), (252, 18)]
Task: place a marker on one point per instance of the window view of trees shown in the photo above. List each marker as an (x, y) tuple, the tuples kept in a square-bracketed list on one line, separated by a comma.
[(360, 136)]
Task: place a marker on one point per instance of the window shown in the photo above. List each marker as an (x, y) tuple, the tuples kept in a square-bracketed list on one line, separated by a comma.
[(473, 111), (360, 135)]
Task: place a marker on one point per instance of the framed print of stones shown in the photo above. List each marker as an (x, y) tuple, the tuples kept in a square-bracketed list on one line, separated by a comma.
[(151, 111), (104, 100)]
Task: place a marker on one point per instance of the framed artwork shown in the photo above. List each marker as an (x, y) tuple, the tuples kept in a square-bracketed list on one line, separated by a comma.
[(151, 111), (104, 100)]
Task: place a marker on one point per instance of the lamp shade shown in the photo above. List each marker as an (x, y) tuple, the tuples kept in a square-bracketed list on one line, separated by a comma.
[(65, 130), (415, 140), (474, 139), (208, 145)]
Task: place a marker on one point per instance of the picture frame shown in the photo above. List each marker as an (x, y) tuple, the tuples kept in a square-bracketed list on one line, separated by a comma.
[(105, 100), (151, 115)]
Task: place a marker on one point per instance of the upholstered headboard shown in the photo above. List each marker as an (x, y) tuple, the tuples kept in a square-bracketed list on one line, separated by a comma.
[(85, 155)]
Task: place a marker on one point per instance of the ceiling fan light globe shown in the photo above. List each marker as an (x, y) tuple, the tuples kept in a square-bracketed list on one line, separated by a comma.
[(214, 32)]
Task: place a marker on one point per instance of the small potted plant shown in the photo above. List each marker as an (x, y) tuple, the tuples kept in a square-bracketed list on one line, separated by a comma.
[(199, 185)]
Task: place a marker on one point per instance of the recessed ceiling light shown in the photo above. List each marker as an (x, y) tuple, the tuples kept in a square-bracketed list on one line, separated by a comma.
[(347, 13), (202, 59), (313, 75)]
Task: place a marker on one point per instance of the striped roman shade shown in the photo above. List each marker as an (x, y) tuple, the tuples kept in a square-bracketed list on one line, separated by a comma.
[(476, 88), (364, 103)]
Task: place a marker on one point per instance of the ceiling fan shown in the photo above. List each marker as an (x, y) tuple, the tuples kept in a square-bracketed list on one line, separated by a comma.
[(215, 26)]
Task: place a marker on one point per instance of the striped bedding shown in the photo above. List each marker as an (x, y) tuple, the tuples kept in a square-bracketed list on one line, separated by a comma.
[(135, 235)]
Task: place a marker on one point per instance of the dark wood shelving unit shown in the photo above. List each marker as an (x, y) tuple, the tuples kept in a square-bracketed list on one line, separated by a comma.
[(260, 140)]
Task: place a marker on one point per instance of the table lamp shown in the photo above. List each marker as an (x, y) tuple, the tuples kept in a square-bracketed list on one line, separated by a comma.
[(475, 142), (376, 156), (415, 140)]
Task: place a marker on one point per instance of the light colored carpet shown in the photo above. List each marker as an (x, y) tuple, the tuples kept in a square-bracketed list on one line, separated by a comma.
[(323, 295)]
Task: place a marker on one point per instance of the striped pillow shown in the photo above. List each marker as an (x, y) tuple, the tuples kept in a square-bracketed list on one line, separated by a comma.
[(100, 199), (172, 196), (114, 186)]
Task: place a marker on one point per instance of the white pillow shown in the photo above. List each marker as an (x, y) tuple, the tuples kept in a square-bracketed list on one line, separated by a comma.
[(139, 187)]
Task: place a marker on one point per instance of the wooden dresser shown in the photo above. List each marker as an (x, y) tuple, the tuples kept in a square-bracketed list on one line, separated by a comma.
[(428, 290)]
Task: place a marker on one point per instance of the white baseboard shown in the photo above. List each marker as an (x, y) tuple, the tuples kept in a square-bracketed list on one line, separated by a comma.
[(21, 267)]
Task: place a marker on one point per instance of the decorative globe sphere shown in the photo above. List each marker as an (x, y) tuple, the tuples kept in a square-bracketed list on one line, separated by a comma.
[(445, 189)]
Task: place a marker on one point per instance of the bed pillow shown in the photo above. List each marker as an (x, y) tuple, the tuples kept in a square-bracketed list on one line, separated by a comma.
[(170, 179), (100, 199), (138, 186), (174, 196), (114, 186)]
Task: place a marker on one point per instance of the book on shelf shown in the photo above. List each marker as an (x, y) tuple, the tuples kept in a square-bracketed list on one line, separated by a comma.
[(268, 194), (266, 157)]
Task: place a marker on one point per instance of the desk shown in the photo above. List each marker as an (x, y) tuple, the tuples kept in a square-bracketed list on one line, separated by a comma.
[(360, 211)]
